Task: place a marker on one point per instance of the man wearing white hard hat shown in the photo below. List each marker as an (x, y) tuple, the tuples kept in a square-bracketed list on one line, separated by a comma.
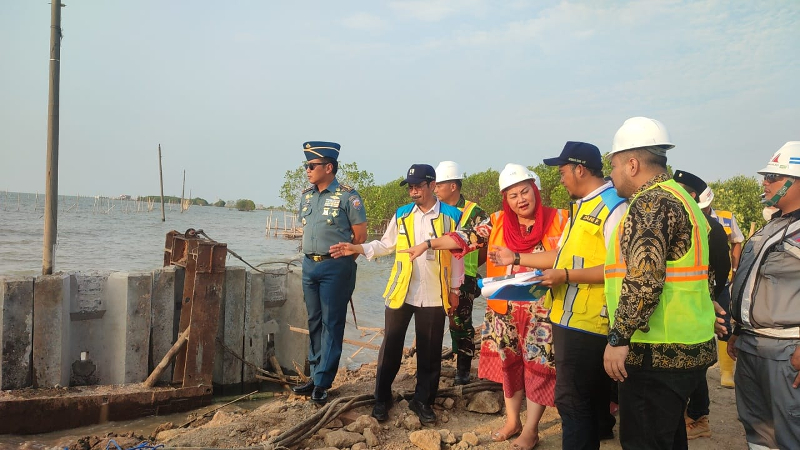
[(661, 338), (765, 303), (448, 190)]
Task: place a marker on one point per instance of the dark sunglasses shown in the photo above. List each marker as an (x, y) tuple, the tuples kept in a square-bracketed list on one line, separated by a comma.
[(313, 166), (773, 177)]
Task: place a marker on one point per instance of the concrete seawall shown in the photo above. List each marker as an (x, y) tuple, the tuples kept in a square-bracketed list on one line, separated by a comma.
[(90, 328)]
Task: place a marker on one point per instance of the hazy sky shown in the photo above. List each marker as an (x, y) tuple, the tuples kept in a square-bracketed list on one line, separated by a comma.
[(231, 89)]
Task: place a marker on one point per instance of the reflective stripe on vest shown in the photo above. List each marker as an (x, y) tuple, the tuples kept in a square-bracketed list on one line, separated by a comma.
[(684, 313), (400, 278), (580, 305), (549, 241), (471, 258)]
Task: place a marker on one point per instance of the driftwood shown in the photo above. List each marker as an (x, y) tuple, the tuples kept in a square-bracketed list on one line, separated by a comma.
[(345, 340), (162, 366)]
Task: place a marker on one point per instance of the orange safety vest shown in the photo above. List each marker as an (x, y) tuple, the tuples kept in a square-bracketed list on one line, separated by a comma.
[(552, 234)]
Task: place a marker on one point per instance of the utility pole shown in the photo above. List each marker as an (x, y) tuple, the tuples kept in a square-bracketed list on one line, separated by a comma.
[(51, 189), (161, 177)]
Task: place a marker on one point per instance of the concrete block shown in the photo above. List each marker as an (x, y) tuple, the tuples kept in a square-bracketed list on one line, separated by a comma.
[(228, 368), (16, 332), (162, 317), (291, 347), (126, 328), (275, 288), (51, 329), (254, 318), (88, 303)]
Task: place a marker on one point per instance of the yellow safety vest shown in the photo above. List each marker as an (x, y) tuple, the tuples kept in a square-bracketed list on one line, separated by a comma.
[(684, 313), (397, 287), (725, 218), (471, 258), (581, 305)]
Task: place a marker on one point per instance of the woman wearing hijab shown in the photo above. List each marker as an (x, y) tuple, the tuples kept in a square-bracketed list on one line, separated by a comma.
[(516, 348)]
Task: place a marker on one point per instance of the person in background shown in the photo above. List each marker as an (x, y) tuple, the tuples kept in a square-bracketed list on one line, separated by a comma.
[(735, 237), (719, 265), (661, 337), (426, 289), (516, 345), (330, 213), (448, 190), (766, 307)]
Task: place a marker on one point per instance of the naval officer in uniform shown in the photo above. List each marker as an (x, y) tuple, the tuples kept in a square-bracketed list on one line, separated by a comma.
[(330, 213)]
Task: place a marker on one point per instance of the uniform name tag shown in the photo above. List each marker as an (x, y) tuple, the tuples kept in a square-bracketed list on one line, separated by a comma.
[(591, 219), (332, 202)]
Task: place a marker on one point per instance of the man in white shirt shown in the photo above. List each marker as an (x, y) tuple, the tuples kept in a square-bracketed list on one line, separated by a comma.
[(426, 288)]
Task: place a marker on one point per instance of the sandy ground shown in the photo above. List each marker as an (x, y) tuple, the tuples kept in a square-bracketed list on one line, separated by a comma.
[(234, 426)]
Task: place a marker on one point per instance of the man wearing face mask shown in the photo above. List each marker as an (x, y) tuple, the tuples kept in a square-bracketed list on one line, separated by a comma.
[(766, 307), (426, 288)]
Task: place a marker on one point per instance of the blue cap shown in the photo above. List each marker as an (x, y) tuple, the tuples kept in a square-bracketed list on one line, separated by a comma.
[(319, 149), (581, 153), (419, 173)]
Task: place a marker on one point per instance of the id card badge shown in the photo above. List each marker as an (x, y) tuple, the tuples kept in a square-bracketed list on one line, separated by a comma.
[(430, 254)]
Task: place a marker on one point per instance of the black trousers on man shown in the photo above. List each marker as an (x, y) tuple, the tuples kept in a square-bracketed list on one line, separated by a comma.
[(583, 388), (429, 327), (651, 404)]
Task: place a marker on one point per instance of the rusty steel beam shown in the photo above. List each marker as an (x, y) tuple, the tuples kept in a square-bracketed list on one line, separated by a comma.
[(204, 261), (26, 414)]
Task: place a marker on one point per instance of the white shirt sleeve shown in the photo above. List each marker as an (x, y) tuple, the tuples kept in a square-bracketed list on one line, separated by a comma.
[(736, 233), (613, 220), (457, 271), (385, 245)]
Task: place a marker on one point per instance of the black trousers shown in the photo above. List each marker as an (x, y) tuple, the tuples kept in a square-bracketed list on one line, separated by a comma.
[(429, 327), (651, 406), (583, 389)]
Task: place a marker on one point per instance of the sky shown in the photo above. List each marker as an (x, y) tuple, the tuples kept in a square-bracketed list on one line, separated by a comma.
[(231, 90)]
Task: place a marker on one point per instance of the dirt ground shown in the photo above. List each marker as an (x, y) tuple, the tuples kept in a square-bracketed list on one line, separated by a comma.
[(234, 426)]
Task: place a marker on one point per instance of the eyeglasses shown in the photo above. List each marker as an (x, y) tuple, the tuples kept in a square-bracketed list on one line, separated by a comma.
[(312, 166), (773, 177)]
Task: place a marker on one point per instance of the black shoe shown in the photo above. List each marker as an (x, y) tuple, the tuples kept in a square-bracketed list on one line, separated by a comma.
[(381, 411), (319, 395), (423, 411), (462, 377), (304, 389)]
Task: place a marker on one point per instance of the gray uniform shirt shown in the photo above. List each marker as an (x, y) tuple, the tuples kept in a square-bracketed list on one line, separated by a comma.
[(328, 216)]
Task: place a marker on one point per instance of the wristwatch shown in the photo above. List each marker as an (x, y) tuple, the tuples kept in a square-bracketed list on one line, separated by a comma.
[(615, 339)]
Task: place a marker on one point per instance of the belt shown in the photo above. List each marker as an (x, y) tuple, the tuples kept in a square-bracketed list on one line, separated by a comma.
[(318, 258)]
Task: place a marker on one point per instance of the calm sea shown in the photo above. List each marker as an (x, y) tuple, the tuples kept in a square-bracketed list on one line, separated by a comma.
[(112, 234)]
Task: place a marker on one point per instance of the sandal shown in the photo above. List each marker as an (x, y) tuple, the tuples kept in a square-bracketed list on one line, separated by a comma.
[(498, 436), (523, 447)]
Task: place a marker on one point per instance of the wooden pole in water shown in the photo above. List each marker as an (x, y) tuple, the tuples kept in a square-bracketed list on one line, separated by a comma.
[(51, 195), (161, 177), (183, 189)]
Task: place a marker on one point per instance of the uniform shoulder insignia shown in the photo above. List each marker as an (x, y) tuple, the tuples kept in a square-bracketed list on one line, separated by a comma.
[(308, 189), (346, 187)]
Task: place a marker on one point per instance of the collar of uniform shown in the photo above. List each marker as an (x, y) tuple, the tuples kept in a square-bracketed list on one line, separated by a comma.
[(434, 210), (794, 214), (596, 192), (660, 178), (331, 187), (462, 202)]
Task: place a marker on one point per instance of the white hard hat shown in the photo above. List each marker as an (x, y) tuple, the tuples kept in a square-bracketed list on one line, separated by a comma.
[(786, 161), (514, 173), (448, 170), (638, 132), (705, 198)]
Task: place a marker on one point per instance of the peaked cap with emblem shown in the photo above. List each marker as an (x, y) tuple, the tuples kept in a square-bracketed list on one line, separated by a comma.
[(320, 149)]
